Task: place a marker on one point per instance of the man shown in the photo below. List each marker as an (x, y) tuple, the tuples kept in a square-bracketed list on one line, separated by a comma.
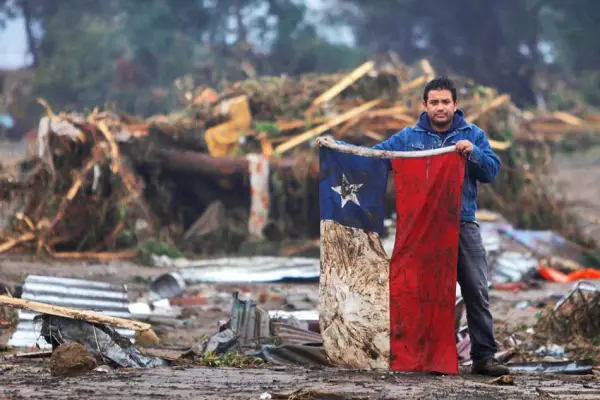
[(441, 125)]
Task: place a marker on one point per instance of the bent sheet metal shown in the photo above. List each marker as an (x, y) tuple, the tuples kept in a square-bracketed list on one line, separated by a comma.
[(106, 298)]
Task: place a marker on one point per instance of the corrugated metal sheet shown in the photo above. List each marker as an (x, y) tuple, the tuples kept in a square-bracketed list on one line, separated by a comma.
[(291, 354), (74, 293), (243, 269), (292, 335)]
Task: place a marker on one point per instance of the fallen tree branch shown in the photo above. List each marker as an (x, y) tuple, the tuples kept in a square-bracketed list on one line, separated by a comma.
[(9, 244)]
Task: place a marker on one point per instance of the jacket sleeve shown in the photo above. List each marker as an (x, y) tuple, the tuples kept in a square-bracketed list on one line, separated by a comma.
[(483, 162)]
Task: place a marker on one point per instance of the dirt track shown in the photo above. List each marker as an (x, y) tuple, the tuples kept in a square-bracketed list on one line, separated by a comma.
[(34, 382), (28, 379)]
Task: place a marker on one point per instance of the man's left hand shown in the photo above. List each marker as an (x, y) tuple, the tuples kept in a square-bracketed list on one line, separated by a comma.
[(464, 148)]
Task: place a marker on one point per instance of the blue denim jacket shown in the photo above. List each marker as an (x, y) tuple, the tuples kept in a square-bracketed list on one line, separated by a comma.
[(483, 164)]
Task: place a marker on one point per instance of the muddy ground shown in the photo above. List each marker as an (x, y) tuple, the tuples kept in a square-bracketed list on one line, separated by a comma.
[(34, 382), (30, 378)]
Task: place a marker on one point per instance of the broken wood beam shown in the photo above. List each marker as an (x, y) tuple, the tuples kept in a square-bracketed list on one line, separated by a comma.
[(497, 102), (9, 244), (387, 112), (428, 69), (343, 84), (290, 125), (82, 315), (415, 83), (101, 256), (313, 133), (496, 145)]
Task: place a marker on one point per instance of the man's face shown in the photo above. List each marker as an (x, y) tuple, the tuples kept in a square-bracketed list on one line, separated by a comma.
[(440, 107)]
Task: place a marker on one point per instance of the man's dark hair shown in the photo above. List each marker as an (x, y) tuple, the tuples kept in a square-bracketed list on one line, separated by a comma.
[(440, 83)]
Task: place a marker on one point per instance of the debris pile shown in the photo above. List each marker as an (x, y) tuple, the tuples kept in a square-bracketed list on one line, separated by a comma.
[(78, 196), (236, 167), (567, 329), (251, 334), (574, 320)]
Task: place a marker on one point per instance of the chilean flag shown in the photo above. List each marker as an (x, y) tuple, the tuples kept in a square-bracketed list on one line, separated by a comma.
[(377, 312)]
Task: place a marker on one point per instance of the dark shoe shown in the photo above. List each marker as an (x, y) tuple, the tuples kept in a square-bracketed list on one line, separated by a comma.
[(491, 367)]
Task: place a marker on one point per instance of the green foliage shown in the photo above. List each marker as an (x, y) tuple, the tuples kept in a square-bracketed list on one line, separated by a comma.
[(500, 43), (153, 247), (268, 127), (126, 54), (231, 360), (83, 42)]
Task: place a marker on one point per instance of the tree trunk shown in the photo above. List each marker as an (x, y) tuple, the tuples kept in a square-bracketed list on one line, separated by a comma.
[(25, 6)]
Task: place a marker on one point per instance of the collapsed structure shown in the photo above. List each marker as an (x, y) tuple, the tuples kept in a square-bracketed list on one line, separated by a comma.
[(236, 167)]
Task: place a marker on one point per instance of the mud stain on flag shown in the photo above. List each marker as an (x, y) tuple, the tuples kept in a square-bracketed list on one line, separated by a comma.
[(354, 297)]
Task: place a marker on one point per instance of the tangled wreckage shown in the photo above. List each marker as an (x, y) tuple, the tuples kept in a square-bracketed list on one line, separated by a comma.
[(236, 172), (237, 168)]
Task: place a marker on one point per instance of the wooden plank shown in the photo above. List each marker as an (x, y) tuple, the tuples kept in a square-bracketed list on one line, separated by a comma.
[(593, 118), (548, 128), (388, 125), (413, 84), (9, 244), (344, 83), (496, 145), (35, 354), (313, 133), (485, 216), (289, 125), (497, 102), (66, 312), (267, 146), (567, 118), (102, 256), (427, 68), (387, 112), (409, 119), (374, 136)]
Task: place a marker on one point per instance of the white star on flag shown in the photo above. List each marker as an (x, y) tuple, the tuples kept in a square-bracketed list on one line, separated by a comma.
[(347, 191)]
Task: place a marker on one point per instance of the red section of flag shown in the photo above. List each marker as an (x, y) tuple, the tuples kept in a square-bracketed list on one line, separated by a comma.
[(423, 266)]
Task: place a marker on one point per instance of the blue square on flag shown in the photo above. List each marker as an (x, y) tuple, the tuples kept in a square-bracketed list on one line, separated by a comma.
[(352, 189)]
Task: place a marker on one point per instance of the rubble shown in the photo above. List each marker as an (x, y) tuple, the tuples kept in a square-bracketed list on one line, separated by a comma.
[(82, 294), (575, 319), (103, 342), (237, 167), (235, 172)]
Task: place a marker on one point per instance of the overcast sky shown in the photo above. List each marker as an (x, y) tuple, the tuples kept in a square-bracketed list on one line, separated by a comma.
[(13, 45)]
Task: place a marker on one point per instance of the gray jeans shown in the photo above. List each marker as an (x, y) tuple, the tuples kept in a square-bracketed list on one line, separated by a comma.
[(472, 277)]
